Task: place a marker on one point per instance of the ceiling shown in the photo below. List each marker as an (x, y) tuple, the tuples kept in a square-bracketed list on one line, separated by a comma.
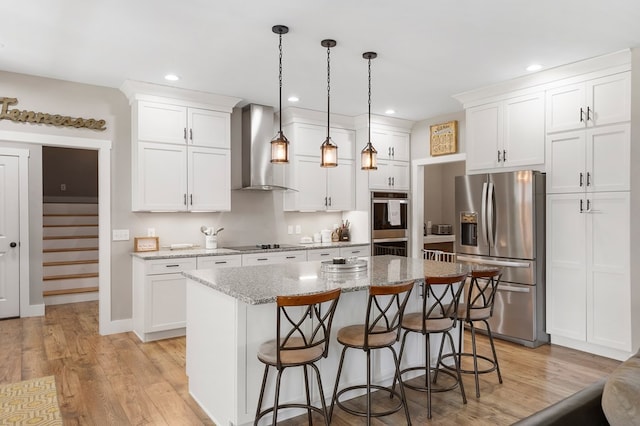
[(427, 50)]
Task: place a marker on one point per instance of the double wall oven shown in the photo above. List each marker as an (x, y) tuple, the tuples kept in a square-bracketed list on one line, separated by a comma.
[(389, 223)]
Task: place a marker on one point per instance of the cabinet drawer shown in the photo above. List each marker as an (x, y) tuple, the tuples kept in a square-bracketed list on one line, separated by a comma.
[(271, 258), (360, 251), (210, 262), (323, 254), (169, 266)]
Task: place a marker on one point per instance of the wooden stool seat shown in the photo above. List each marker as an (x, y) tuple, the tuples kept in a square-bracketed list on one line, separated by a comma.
[(268, 353), (354, 335)]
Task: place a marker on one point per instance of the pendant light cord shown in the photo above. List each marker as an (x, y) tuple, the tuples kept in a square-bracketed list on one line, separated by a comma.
[(369, 101), (280, 78), (328, 86)]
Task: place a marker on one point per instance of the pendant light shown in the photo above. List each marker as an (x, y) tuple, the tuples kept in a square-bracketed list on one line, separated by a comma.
[(280, 143), (328, 150), (369, 153)]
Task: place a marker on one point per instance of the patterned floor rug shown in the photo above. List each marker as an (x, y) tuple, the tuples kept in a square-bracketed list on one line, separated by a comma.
[(32, 402)]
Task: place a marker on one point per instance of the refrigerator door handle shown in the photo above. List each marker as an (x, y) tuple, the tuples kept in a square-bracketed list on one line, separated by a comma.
[(514, 289), (483, 212), (489, 215), (506, 263)]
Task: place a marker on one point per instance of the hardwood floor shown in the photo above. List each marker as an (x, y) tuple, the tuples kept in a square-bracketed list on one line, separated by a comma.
[(117, 380)]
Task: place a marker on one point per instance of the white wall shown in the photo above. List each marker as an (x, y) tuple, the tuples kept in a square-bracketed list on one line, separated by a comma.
[(255, 216)]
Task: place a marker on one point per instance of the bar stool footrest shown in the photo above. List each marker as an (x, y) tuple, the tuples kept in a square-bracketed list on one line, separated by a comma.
[(291, 405), (434, 387), (466, 354), (392, 393)]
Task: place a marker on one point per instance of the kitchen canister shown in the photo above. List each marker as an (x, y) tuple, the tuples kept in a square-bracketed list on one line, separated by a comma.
[(211, 241), (325, 235)]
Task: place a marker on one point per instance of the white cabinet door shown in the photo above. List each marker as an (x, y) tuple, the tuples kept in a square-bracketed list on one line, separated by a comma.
[(608, 280), (400, 146), (566, 267), (212, 262), (340, 186), (484, 136), (593, 160), (588, 268), (381, 178), (311, 183), (161, 178), (345, 139), (523, 131), (597, 102), (566, 160), (608, 158), (391, 175), (164, 123), (323, 254), (400, 175), (391, 145), (381, 140), (209, 179), (609, 99), (566, 108), (166, 297), (209, 128)]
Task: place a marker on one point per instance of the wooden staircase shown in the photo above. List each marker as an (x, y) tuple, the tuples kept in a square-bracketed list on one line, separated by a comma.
[(70, 252)]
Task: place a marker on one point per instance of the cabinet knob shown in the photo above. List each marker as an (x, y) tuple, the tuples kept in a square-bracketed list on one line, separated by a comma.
[(12, 244)]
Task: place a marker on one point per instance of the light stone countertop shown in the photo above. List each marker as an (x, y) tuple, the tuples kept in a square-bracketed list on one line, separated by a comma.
[(198, 252), (260, 284)]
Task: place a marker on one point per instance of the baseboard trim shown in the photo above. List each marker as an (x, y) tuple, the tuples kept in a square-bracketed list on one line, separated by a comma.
[(117, 326), (590, 348), (33, 311)]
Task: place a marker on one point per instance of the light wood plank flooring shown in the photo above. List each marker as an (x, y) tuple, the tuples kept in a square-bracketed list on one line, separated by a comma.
[(117, 380)]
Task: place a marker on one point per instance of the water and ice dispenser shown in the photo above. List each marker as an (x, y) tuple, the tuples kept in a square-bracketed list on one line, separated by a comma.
[(469, 228)]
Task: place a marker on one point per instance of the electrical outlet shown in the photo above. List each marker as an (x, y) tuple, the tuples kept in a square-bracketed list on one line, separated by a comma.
[(63, 187), (151, 232), (290, 229), (120, 235), (298, 229)]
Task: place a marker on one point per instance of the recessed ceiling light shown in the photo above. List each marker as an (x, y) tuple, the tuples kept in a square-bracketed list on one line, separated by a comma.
[(171, 77), (390, 111), (534, 67), (293, 99)]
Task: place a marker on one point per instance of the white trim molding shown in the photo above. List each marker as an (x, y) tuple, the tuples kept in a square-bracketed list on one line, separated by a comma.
[(103, 146)]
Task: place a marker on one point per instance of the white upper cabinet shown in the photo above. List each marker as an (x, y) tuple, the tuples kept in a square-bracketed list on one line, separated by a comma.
[(592, 160), (597, 102), (319, 188), (506, 133), (180, 148), (391, 145), (391, 175)]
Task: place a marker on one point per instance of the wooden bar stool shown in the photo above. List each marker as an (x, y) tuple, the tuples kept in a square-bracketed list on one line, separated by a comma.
[(381, 329), (478, 306), (293, 347), (439, 307)]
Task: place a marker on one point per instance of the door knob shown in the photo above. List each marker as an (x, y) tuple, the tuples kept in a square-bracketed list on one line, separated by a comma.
[(12, 244)]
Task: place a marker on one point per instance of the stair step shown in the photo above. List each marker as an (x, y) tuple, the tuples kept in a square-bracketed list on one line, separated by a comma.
[(68, 237), (70, 276), (63, 249), (69, 225), (69, 291), (69, 215), (70, 262)]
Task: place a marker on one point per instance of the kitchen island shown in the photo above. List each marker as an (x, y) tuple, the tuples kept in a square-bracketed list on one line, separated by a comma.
[(231, 311)]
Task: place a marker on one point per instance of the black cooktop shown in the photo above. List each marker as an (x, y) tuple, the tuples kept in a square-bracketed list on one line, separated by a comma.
[(263, 247)]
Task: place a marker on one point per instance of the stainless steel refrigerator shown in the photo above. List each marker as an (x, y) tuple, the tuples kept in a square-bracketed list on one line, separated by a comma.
[(501, 222)]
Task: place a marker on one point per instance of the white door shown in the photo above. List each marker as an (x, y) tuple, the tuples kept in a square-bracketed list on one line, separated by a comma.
[(9, 238)]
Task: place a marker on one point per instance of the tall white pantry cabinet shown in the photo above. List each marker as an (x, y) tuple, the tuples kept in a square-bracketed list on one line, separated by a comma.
[(577, 123), (181, 141)]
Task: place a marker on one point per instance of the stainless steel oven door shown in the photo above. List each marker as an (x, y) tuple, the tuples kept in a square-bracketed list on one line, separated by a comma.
[(386, 223)]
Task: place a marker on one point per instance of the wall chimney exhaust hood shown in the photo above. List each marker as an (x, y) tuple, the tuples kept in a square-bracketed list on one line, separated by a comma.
[(257, 132)]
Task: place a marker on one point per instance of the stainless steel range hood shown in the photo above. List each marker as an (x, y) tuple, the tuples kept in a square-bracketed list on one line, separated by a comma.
[(257, 132)]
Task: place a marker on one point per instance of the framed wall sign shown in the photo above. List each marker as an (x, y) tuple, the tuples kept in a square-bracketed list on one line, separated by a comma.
[(145, 244), (444, 138)]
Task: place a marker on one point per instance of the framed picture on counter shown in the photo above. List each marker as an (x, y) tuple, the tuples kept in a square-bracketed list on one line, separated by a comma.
[(145, 244), (444, 138)]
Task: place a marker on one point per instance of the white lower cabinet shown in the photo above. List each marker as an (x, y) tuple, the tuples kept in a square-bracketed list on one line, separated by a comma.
[(588, 271), (323, 254), (159, 298), (273, 257), (159, 295)]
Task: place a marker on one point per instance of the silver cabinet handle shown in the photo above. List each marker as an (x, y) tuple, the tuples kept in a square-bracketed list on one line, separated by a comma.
[(393, 181), (504, 155), (393, 151), (325, 201), (389, 151), (191, 199), (184, 199), (329, 201), (588, 179), (260, 259), (581, 209), (184, 134), (581, 115), (290, 257), (588, 113), (588, 206), (191, 135), (499, 160), (581, 176), (172, 266), (220, 262)]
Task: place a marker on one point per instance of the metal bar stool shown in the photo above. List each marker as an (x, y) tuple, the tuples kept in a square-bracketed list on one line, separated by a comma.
[(439, 306), (478, 306), (385, 309), (293, 347)]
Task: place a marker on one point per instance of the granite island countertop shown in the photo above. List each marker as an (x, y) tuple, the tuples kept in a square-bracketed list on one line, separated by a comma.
[(260, 284), (198, 252)]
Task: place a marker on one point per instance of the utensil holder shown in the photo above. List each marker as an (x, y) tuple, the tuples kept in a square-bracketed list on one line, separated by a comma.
[(211, 241)]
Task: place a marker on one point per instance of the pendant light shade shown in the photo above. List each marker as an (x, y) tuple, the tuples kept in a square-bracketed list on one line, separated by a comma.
[(280, 143), (328, 150), (369, 153)]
